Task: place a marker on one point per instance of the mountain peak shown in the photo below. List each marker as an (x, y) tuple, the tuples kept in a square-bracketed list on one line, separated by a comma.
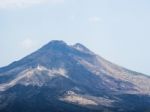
[(55, 45), (57, 42), (61, 46), (81, 47)]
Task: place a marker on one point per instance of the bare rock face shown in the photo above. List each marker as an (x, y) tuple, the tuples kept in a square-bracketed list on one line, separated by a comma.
[(71, 78)]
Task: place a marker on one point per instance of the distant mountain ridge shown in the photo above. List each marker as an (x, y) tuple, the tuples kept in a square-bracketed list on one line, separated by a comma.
[(71, 78)]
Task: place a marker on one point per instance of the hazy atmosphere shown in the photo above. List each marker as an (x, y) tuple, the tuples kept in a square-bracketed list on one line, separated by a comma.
[(117, 30)]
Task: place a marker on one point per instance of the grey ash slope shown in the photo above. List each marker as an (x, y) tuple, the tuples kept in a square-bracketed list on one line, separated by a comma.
[(59, 77)]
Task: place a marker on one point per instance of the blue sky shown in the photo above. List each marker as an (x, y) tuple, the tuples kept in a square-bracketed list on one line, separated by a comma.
[(118, 30)]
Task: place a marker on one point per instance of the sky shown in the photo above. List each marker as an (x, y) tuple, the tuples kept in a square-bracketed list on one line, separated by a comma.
[(118, 30)]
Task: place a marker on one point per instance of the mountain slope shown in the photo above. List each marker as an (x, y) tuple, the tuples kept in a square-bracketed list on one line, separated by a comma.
[(59, 77)]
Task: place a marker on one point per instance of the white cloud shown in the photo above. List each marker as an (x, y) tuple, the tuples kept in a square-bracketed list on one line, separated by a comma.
[(94, 19), (6, 4), (28, 43)]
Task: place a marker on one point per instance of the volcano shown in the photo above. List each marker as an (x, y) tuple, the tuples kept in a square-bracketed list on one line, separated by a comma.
[(71, 78)]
